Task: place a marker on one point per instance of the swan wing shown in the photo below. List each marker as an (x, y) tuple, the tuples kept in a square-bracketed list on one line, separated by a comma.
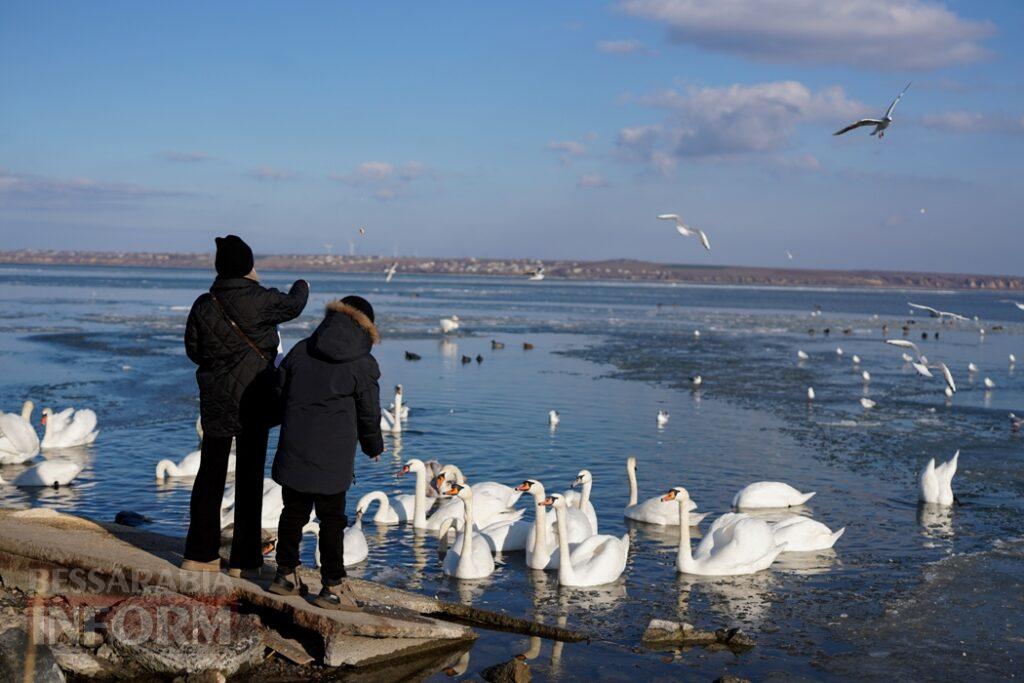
[(17, 436)]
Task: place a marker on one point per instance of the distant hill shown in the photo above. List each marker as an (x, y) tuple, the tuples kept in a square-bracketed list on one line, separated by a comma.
[(617, 269)]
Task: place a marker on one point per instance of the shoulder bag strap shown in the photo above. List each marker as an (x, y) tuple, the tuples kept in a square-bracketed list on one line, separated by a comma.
[(237, 329)]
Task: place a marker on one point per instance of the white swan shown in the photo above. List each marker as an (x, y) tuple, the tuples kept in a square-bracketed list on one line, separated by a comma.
[(662, 418), (581, 500), (769, 494), (449, 325), (355, 548), (542, 540), (507, 495), (389, 424), (399, 409), (489, 507), (386, 513), (187, 466), (735, 544), (655, 510), (273, 504), (53, 473), (936, 482), (449, 509), (802, 355), (596, 561), (470, 558), (68, 428), (553, 418), (803, 534), (18, 439)]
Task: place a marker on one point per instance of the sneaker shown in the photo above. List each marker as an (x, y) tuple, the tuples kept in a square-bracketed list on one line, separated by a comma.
[(338, 597), (197, 566), (287, 583)]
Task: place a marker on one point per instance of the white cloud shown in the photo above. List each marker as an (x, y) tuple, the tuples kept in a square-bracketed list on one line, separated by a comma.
[(876, 34), (268, 173), (592, 180), (382, 178), (620, 47), (567, 150), (730, 120), (186, 157), (34, 191), (973, 122)]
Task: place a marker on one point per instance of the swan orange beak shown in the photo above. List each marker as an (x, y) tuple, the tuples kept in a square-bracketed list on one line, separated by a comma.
[(42, 420), (405, 470), (525, 486), (549, 501), (454, 490), (671, 495)]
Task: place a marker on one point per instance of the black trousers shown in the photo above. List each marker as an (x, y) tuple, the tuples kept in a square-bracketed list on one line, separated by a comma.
[(203, 541), (331, 511)]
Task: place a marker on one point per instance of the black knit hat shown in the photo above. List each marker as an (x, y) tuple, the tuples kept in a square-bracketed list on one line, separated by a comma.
[(234, 257), (360, 304)]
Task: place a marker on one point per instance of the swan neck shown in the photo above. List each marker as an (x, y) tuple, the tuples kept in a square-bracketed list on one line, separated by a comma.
[(585, 494), (419, 514), (685, 557), (565, 572), (633, 493), (26, 411), (541, 545), (466, 551), (164, 467)]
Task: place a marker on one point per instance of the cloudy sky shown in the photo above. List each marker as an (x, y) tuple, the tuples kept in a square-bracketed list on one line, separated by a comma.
[(521, 129)]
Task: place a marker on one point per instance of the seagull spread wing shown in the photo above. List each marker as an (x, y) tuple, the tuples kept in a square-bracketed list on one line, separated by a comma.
[(672, 217), (858, 124), (906, 344), (933, 312), (704, 240), (888, 112)]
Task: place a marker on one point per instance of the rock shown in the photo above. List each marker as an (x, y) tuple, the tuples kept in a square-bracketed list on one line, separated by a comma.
[(734, 639), (171, 634), (14, 648), (130, 518), (105, 652), (208, 676), (85, 664), (729, 678), (512, 671), (661, 631), (90, 639)]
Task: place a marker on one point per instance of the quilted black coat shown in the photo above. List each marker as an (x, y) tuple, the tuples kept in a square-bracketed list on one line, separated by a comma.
[(331, 398), (228, 395)]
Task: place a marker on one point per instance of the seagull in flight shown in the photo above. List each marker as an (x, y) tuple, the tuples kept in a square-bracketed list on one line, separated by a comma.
[(390, 272), (1018, 304), (922, 365), (879, 124), (936, 313), (685, 230)]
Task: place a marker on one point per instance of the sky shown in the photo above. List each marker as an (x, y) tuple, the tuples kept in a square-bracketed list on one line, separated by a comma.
[(527, 130)]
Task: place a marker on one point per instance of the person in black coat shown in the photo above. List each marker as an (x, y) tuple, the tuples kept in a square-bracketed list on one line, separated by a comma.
[(231, 335), (331, 403)]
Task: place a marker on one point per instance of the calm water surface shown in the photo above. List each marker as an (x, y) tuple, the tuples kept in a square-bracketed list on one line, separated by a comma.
[(907, 593)]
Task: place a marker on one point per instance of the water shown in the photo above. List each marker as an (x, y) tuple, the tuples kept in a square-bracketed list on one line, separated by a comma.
[(908, 592)]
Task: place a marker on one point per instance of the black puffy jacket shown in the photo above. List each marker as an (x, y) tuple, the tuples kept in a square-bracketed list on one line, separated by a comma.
[(228, 397), (331, 399)]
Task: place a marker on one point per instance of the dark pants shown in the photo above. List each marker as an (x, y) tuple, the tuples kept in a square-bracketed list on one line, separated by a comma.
[(331, 511), (203, 541)]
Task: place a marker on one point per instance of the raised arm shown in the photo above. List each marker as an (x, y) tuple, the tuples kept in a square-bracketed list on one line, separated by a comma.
[(280, 307)]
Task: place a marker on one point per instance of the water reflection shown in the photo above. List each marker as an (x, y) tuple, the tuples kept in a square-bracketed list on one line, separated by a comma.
[(936, 521), (737, 598)]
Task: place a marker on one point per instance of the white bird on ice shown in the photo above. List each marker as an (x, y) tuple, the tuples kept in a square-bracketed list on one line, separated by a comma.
[(802, 355), (839, 351), (696, 334), (390, 272), (553, 418), (696, 381), (1013, 359), (810, 393), (450, 324), (856, 359), (867, 403), (866, 376), (1018, 304), (685, 230), (936, 482), (879, 124), (972, 368), (989, 384), (662, 418)]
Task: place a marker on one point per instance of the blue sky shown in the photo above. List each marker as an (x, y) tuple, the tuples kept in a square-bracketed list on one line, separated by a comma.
[(551, 130)]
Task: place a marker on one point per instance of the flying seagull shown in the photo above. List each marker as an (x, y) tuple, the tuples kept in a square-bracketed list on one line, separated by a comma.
[(935, 313), (922, 365), (1018, 304), (685, 230), (390, 272), (879, 124)]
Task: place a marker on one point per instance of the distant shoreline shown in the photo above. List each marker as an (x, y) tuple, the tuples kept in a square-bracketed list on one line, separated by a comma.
[(614, 270)]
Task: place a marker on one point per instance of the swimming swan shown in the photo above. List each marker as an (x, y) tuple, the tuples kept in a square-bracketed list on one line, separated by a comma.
[(769, 494), (68, 428), (581, 500), (355, 548), (18, 440), (470, 558), (187, 467), (399, 408), (936, 482), (542, 540), (596, 561), (803, 534), (55, 473), (735, 543), (654, 510)]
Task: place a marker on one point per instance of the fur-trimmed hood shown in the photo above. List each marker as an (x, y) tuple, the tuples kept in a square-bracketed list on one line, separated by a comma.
[(344, 335)]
